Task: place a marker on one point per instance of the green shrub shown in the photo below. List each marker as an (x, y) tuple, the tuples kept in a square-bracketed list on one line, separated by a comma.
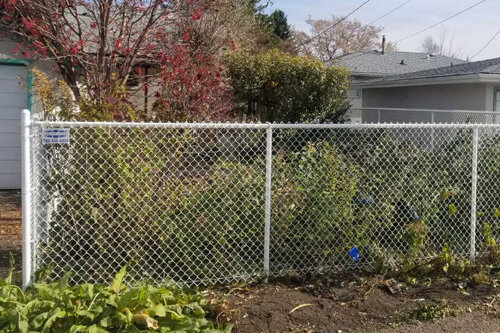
[(176, 205), (313, 220), (289, 88), (94, 308), (141, 197)]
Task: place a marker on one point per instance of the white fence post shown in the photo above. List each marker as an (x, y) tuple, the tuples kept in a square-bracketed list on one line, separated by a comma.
[(432, 130), (26, 197), (473, 217), (269, 166)]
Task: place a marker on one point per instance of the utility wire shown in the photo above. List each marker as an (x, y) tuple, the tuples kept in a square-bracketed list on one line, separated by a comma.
[(336, 23), (447, 19), (361, 53), (389, 12), (486, 45)]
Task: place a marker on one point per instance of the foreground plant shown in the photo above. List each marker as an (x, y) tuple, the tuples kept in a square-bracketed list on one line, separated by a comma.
[(95, 308), (431, 311)]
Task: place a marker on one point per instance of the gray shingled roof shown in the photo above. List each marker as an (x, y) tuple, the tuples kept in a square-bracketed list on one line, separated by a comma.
[(490, 66), (391, 63)]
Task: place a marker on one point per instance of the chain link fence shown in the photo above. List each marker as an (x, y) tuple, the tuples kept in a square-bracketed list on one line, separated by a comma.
[(426, 116), (205, 204)]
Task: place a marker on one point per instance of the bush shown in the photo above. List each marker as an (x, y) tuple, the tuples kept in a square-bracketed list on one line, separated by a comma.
[(408, 181), (94, 308), (186, 206), (145, 198), (289, 88), (313, 219)]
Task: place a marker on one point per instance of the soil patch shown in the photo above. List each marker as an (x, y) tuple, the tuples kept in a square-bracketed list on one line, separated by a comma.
[(10, 232), (361, 306)]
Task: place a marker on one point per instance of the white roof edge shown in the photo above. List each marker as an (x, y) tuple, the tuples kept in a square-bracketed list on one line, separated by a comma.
[(373, 74), (469, 78)]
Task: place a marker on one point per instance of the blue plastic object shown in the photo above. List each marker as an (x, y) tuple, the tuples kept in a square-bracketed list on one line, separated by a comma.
[(369, 201), (415, 216), (354, 253)]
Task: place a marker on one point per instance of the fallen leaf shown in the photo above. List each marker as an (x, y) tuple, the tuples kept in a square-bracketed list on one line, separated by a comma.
[(300, 307)]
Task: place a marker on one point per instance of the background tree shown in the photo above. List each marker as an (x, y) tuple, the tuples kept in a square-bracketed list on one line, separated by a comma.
[(277, 86), (231, 24), (336, 37), (429, 45), (97, 45), (258, 6), (443, 45), (275, 31), (279, 24)]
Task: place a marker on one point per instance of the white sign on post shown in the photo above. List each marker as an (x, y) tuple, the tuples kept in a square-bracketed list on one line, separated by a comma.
[(52, 136)]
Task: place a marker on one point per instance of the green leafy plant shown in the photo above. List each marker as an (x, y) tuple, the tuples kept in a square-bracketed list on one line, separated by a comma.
[(94, 308), (446, 258), (492, 252), (430, 312), (416, 234), (318, 185)]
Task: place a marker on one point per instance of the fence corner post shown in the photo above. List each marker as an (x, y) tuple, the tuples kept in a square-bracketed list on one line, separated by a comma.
[(267, 223), (475, 145), (26, 197)]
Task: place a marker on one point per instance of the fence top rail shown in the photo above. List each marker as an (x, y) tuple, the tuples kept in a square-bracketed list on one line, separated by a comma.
[(429, 110), (62, 124)]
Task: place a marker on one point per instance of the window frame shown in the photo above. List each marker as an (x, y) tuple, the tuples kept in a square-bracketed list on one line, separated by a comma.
[(496, 92)]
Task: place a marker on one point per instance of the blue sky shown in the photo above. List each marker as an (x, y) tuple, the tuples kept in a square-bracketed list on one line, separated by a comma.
[(470, 31)]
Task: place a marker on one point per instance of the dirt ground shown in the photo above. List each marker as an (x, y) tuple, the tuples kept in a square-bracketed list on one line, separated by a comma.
[(328, 305), (361, 306), (10, 231)]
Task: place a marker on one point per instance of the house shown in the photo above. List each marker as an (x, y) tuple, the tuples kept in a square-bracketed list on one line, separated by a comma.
[(467, 86), (379, 64), (16, 94)]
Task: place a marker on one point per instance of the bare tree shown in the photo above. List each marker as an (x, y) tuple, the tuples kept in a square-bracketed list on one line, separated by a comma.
[(334, 37), (443, 45), (430, 46), (230, 24)]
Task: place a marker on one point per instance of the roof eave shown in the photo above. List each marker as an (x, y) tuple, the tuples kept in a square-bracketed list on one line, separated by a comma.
[(455, 79), (370, 74)]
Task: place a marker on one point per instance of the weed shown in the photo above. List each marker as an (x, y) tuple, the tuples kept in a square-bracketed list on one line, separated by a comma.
[(59, 307), (429, 312), (492, 253)]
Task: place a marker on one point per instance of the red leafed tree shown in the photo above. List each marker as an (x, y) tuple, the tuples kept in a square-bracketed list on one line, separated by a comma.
[(98, 44)]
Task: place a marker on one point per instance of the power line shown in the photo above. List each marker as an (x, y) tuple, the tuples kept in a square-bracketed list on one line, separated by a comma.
[(447, 19), (361, 53), (486, 45), (336, 23), (390, 12)]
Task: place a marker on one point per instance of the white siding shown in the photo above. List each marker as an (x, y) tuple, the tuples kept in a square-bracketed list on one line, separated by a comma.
[(13, 98)]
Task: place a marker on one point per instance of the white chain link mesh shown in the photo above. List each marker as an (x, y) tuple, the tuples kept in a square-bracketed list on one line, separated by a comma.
[(186, 202), (428, 116)]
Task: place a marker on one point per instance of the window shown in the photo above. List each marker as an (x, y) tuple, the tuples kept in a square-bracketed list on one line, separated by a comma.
[(354, 93), (133, 81), (496, 99)]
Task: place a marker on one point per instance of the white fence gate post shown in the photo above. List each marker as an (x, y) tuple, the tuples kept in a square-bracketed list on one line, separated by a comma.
[(269, 167), (473, 217), (26, 196)]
